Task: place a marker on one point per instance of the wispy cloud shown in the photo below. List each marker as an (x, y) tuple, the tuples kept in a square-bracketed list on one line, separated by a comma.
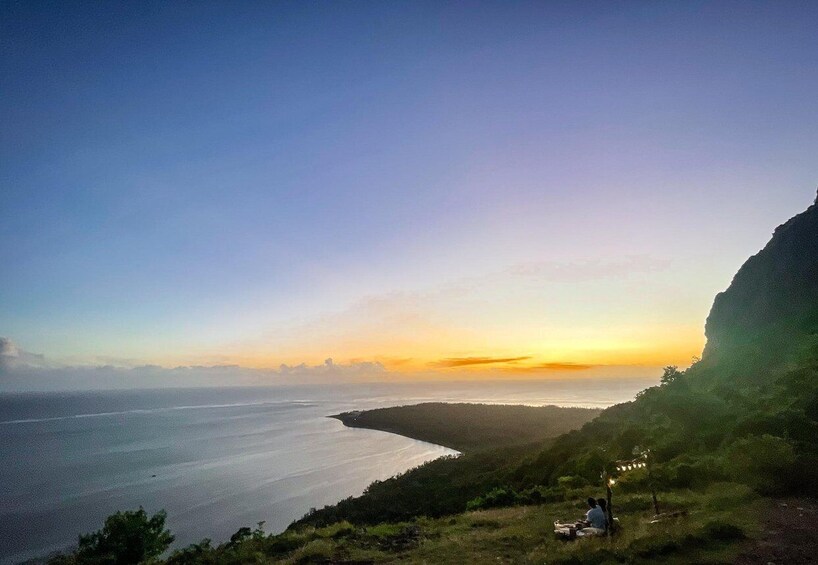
[(597, 269), (466, 361), (555, 366), (21, 370)]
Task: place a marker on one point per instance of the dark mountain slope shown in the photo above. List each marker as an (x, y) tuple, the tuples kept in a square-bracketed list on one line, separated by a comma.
[(769, 314)]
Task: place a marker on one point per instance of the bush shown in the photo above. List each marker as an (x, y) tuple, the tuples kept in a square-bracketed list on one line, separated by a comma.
[(764, 463), (196, 553), (570, 482), (722, 531), (316, 551), (633, 503), (499, 496), (126, 538), (540, 495)]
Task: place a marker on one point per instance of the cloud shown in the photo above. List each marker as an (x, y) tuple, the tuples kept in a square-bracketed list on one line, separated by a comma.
[(8, 353), (12, 356), (466, 361), (512, 364), (332, 369), (22, 370), (574, 272), (393, 361), (554, 366)]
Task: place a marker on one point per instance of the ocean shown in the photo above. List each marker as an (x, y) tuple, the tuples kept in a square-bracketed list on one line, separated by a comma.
[(217, 459)]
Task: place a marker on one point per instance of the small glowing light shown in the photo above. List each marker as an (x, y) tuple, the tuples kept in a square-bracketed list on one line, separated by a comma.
[(611, 481)]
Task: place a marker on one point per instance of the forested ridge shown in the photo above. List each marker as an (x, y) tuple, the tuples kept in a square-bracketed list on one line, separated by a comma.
[(472, 427)]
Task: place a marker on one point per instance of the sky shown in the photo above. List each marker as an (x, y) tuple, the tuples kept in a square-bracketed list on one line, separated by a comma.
[(388, 190)]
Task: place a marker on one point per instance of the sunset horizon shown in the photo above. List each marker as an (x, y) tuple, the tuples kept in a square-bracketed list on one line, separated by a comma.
[(284, 184), (421, 282)]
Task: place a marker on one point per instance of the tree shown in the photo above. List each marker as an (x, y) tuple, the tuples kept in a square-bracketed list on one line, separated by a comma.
[(671, 373), (126, 538)]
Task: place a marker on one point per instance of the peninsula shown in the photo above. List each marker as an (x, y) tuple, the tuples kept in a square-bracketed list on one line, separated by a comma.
[(472, 427)]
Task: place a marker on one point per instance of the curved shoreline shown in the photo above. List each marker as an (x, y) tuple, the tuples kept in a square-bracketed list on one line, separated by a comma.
[(469, 427), (348, 419)]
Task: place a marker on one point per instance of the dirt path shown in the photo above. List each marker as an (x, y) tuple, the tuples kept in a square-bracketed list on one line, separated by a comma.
[(789, 534)]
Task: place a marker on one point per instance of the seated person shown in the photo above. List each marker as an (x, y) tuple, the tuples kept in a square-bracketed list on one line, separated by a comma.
[(595, 519), (603, 504), (594, 524)]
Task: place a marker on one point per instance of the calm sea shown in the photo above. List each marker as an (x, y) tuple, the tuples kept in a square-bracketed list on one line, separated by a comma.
[(216, 459)]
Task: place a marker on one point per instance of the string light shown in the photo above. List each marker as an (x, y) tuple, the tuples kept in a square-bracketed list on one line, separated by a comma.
[(623, 466)]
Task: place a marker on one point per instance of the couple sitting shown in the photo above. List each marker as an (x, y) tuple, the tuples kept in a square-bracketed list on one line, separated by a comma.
[(594, 524), (596, 519)]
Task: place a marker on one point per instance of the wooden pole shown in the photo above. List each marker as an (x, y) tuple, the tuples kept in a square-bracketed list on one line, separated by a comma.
[(652, 486), (606, 479)]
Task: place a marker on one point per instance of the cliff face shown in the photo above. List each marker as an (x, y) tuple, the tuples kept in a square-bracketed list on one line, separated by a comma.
[(770, 310)]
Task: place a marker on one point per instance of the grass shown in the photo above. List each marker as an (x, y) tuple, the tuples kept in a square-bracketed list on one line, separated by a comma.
[(718, 519)]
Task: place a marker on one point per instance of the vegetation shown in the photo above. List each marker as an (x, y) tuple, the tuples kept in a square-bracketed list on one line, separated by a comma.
[(718, 519), (127, 537), (738, 425), (472, 427)]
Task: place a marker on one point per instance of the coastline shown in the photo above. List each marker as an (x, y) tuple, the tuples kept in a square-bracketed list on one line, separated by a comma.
[(468, 427), (349, 419)]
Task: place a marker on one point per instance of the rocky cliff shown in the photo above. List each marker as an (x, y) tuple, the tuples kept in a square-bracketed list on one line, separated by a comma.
[(770, 310)]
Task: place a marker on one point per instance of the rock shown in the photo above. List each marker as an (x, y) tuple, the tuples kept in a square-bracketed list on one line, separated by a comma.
[(772, 300)]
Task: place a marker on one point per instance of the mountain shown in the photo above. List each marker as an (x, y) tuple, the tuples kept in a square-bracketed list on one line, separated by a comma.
[(768, 317), (720, 440)]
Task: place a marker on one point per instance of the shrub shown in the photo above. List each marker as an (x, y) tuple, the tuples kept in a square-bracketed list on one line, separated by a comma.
[(763, 462), (570, 482), (316, 551), (541, 495), (126, 538), (197, 553), (499, 496), (722, 531)]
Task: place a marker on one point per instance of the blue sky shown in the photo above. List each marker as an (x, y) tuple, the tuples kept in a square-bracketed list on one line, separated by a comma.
[(258, 183)]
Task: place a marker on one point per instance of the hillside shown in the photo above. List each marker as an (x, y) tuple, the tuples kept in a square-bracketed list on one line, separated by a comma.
[(748, 413), (472, 427), (724, 437)]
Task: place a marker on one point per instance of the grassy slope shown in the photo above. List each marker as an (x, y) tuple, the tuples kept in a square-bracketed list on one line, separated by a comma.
[(713, 532)]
